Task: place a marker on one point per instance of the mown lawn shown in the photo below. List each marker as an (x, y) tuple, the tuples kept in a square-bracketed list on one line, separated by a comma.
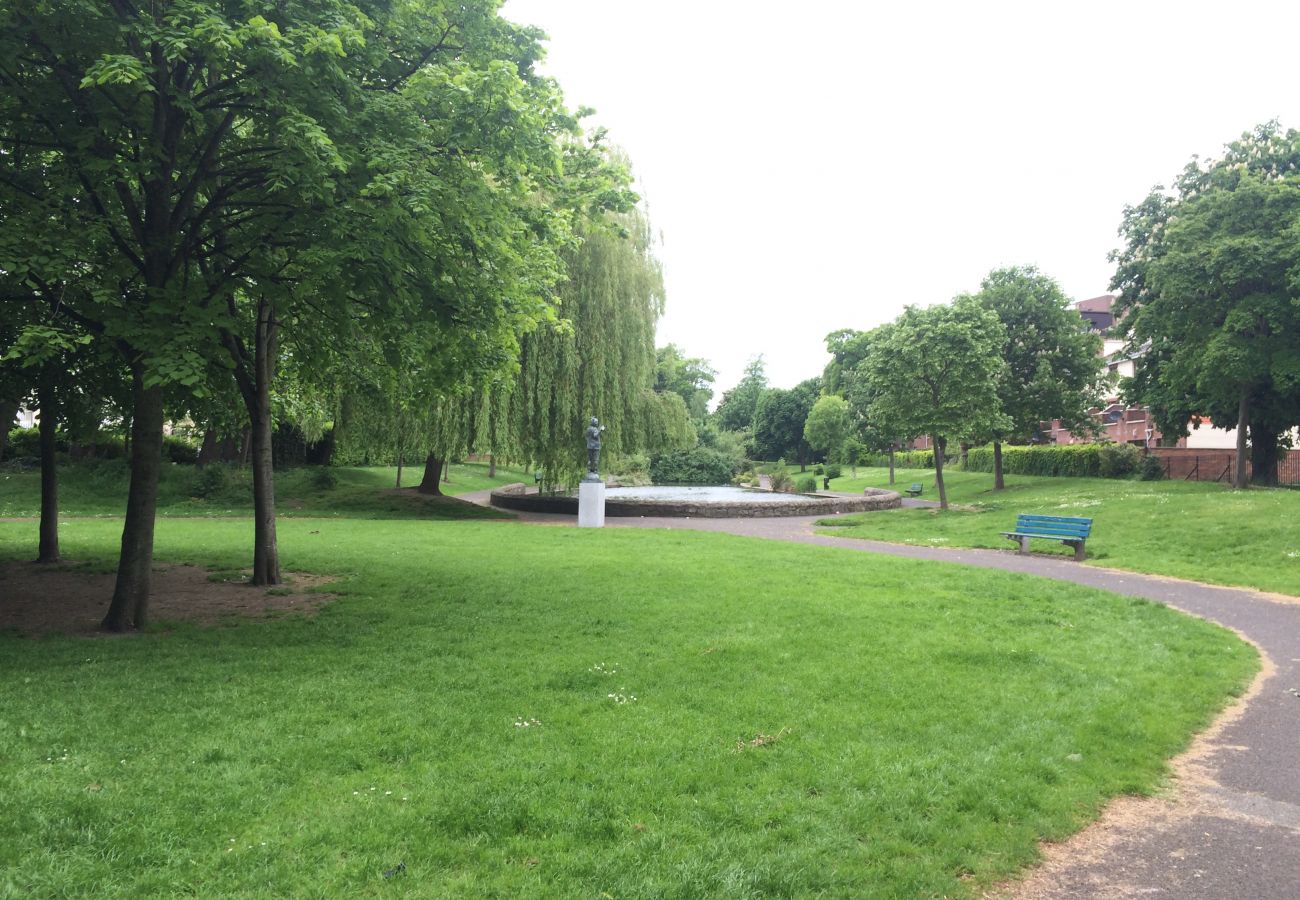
[(1204, 532), (520, 711), (100, 488)]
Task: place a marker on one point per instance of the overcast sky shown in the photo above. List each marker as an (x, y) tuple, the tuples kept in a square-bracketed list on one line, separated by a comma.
[(818, 166)]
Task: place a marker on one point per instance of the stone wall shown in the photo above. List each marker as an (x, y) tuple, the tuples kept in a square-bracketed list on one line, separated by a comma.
[(513, 496)]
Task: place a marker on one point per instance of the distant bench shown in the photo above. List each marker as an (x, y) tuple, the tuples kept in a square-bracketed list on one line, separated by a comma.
[(915, 489), (1066, 529)]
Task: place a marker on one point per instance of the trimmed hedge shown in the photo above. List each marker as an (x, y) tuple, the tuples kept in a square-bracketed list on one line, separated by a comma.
[(698, 466), (1108, 460), (903, 459)]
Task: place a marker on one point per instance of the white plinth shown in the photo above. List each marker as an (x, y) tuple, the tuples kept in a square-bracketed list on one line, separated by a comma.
[(591, 504)]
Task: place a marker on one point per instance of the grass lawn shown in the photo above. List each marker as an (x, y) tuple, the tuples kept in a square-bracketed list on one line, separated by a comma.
[(1204, 532), (549, 712), (100, 489)]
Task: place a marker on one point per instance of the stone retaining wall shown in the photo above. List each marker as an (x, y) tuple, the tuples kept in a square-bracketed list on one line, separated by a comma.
[(514, 496)]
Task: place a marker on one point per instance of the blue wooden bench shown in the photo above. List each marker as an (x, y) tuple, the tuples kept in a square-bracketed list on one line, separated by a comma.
[(1066, 529), (915, 489)]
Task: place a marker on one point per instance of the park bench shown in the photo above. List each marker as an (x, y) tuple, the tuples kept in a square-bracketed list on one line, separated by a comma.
[(1068, 530), (915, 489)]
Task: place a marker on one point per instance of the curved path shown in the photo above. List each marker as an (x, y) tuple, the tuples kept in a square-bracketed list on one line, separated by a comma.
[(1231, 826)]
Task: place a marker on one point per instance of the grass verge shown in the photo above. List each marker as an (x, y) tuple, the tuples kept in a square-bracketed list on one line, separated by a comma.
[(514, 711), (1203, 532)]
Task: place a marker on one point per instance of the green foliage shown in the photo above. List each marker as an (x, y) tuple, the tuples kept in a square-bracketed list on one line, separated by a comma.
[(210, 481), (1052, 366), (736, 410), (1118, 460), (833, 471), (828, 425), (1151, 468), (691, 379), (780, 480), (324, 478), (179, 450), (779, 417), (903, 459), (698, 466), (1108, 460), (805, 484)]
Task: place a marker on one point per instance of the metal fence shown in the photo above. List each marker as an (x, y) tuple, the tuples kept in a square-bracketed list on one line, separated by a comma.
[(1189, 464)]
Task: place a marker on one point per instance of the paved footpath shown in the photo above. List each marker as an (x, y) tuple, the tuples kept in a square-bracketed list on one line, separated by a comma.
[(1230, 828)]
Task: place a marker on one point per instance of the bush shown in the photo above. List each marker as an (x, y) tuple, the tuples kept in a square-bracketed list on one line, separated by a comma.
[(833, 471), (1151, 468), (805, 484), (780, 480), (1118, 460), (1060, 460), (179, 450), (697, 466), (903, 459), (26, 442), (819, 469), (324, 478), (210, 481)]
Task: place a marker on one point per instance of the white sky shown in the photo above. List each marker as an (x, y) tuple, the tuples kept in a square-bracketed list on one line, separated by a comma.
[(817, 165)]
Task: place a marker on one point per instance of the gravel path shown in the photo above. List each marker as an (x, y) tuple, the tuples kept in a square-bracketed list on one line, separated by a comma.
[(1230, 828)]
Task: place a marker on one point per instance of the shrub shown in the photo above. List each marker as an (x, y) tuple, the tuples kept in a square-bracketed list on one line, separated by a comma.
[(1151, 468), (819, 469), (805, 484), (1118, 460), (833, 471), (698, 466), (179, 450), (1060, 460), (211, 480), (324, 479), (903, 459), (780, 480)]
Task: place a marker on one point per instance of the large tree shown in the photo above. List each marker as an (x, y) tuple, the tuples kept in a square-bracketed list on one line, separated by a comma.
[(934, 371), (828, 426), (690, 378), (1208, 279), (221, 165), (1053, 366), (736, 410), (779, 418)]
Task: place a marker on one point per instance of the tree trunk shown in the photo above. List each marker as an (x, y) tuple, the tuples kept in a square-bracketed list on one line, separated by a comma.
[(1263, 456), (963, 448), (8, 409), (938, 470), (266, 551), (891, 465), (399, 468), (246, 447), (208, 450), (432, 475), (998, 483), (1243, 423), (492, 466), (49, 546), (130, 605)]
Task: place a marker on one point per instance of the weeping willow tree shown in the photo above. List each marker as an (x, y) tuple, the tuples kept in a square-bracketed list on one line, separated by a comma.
[(599, 359)]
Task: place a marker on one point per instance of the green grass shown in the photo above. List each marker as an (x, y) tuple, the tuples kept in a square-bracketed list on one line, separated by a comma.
[(932, 722), (100, 490), (1204, 532)]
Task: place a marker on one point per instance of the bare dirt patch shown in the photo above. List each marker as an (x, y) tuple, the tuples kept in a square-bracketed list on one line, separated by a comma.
[(66, 599)]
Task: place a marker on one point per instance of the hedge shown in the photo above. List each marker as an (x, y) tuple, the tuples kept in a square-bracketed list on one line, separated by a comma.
[(698, 466), (1108, 460), (903, 459)]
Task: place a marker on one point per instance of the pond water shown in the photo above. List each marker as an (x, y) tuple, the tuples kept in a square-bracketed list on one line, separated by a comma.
[(701, 494)]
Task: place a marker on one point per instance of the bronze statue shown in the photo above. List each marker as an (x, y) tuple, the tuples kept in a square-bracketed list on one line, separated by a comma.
[(593, 446)]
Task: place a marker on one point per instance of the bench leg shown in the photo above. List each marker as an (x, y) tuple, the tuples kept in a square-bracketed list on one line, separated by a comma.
[(1024, 545), (1078, 551)]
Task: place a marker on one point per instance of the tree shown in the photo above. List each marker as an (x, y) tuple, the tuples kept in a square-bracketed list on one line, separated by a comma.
[(736, 410), (691, 379), (1208, 274), (828, 425), (203, 165), (779, 418), (935, 371), (1052, 364)]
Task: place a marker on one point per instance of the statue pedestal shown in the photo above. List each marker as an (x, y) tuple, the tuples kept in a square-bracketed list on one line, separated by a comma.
[(591, 504)]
